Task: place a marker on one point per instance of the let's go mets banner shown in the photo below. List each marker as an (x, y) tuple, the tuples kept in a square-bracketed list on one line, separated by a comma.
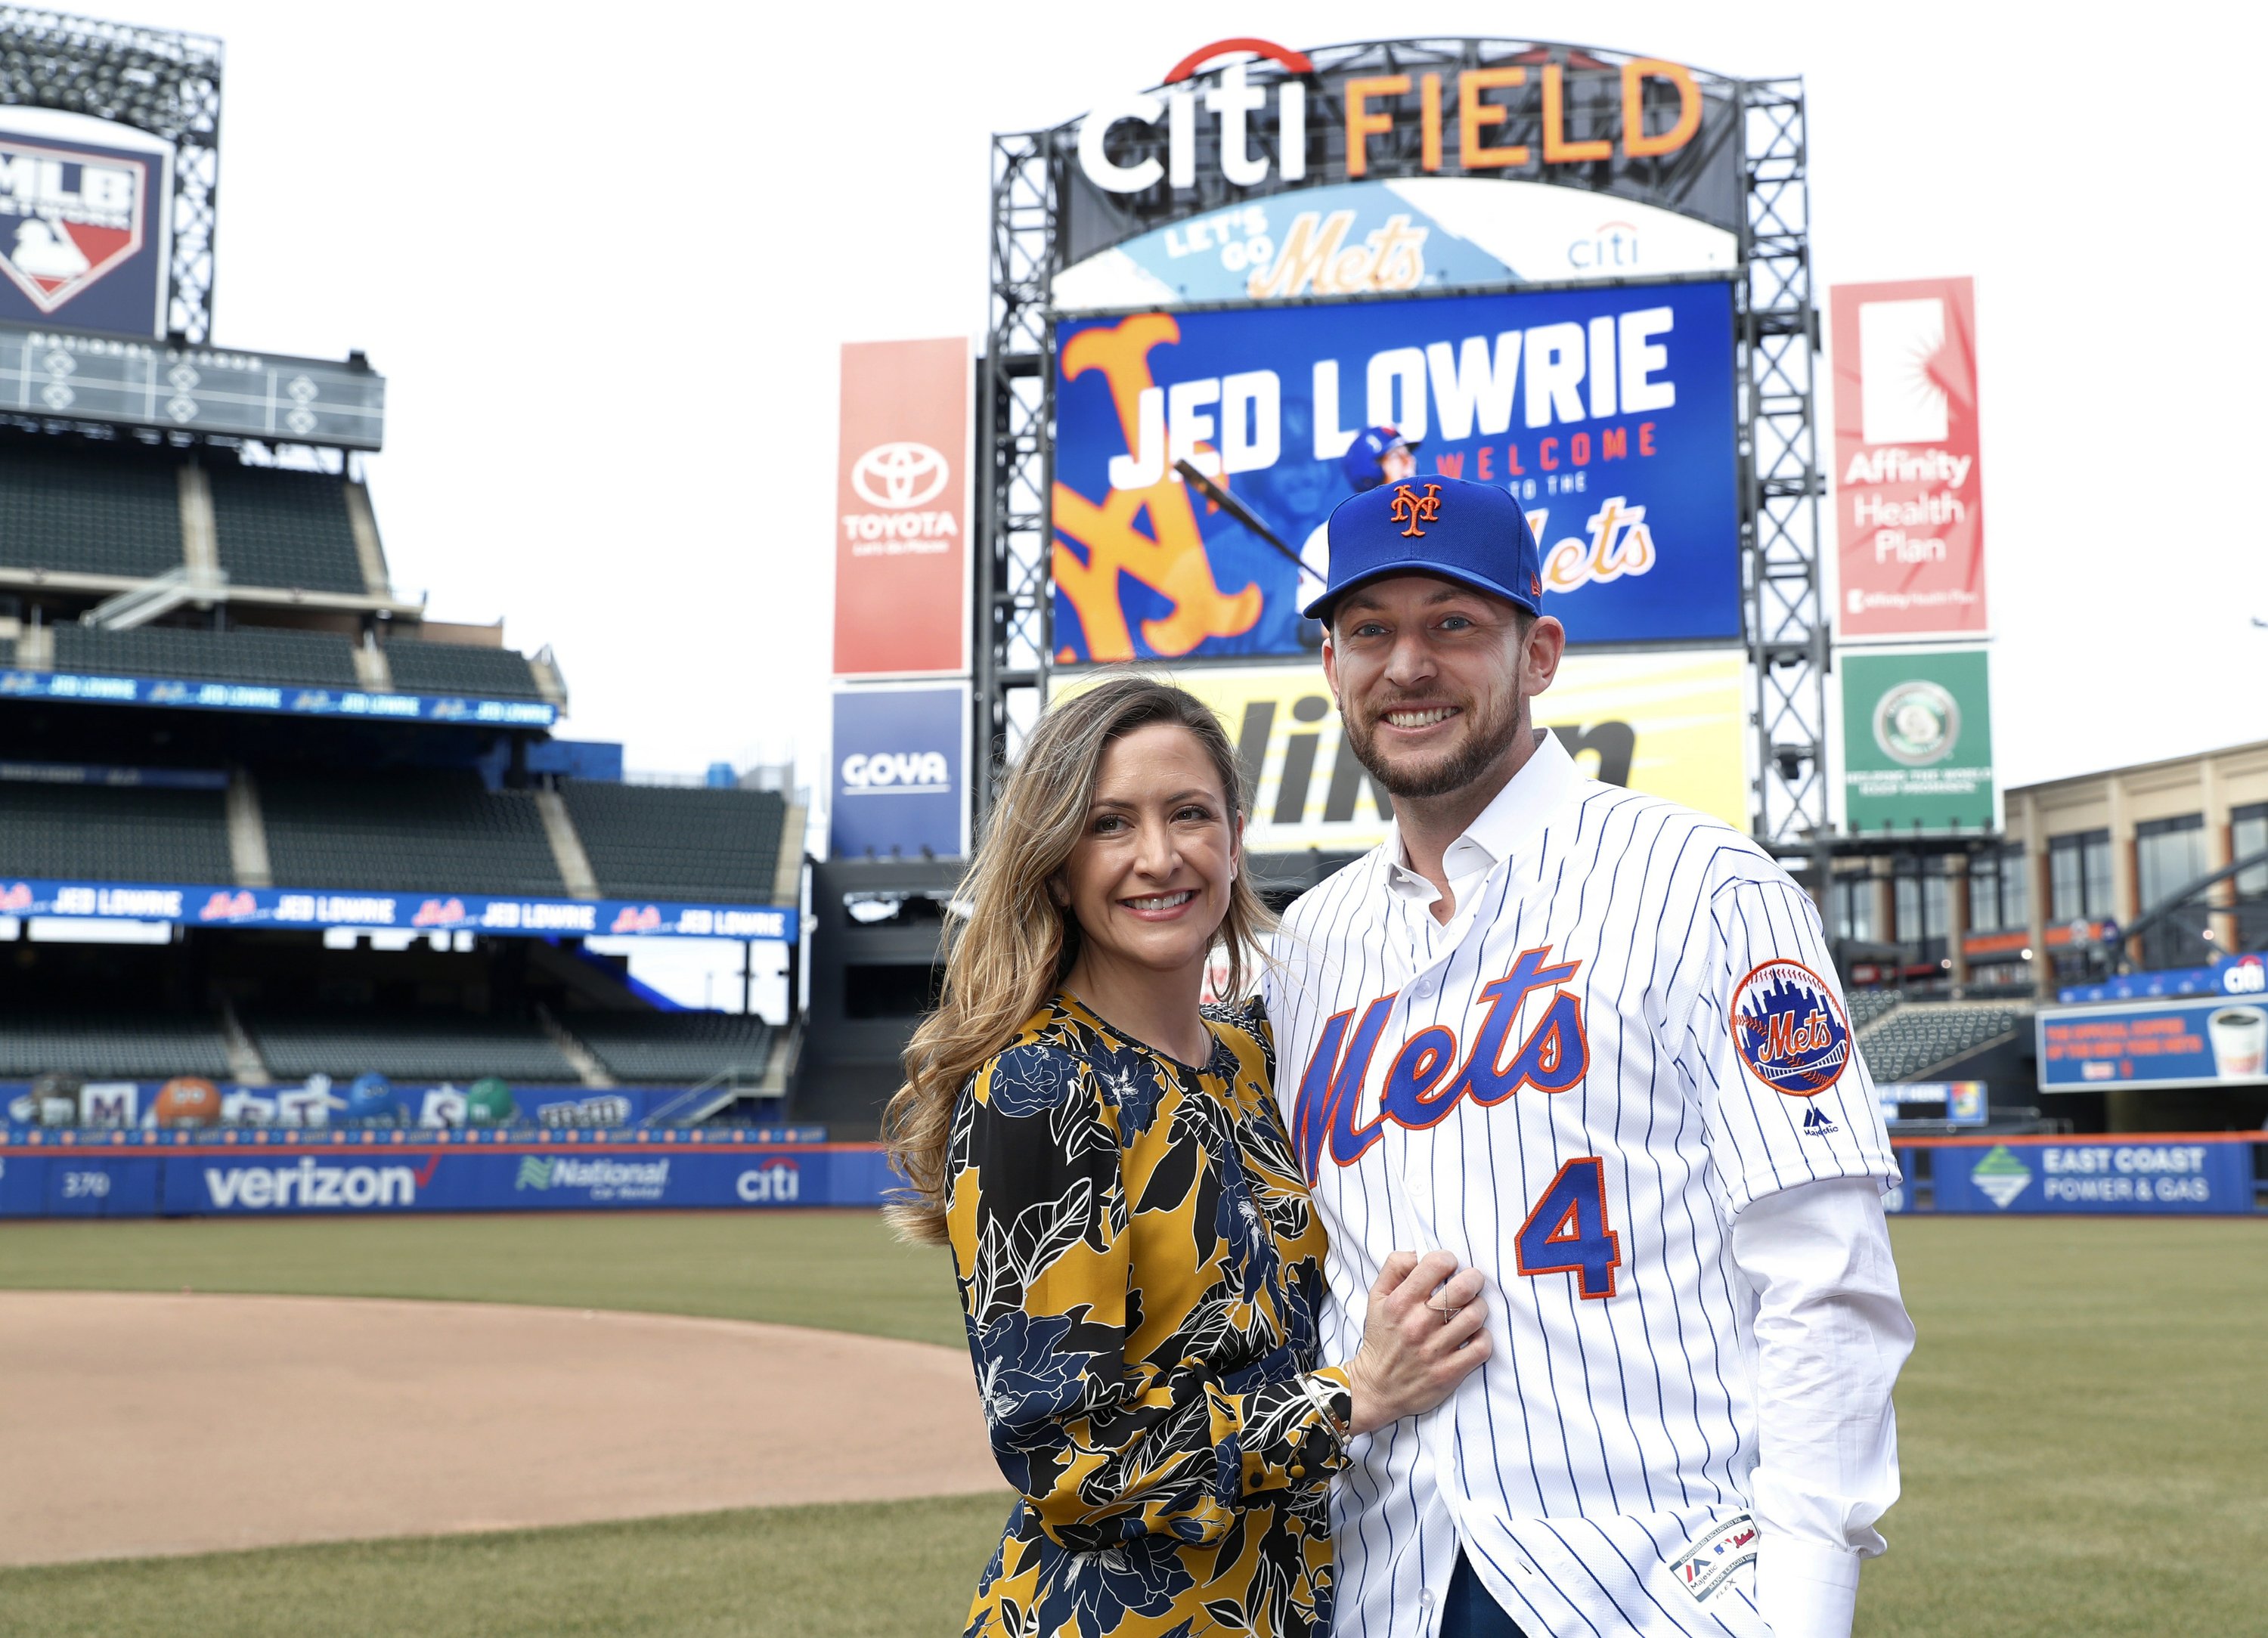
[(1608, 413)]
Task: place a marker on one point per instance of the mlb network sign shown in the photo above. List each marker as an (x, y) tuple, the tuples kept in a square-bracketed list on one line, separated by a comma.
[(83, 226), (897, 788)]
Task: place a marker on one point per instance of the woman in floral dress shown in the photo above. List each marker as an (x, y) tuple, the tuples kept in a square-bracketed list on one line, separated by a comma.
[(1137, 1261)]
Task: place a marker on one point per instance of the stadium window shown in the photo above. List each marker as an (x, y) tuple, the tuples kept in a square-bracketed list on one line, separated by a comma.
[(2079, 876), (2248, 834), (2016, 886), (1984, 893), (1854, 907), (2169, 855)]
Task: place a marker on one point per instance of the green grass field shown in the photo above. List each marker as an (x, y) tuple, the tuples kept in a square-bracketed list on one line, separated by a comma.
[(2080, 1433)]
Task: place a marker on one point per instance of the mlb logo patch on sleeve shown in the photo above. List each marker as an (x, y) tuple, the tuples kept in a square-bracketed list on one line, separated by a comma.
[(1789, 1028)]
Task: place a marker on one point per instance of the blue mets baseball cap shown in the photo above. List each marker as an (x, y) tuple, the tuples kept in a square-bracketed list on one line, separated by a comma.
[(1371, 446), (1473, 533)]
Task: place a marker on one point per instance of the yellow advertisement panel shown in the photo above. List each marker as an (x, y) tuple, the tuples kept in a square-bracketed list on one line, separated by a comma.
[(1667, 723)]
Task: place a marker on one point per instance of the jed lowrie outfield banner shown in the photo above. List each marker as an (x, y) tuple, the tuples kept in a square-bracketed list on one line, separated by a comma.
[(901, 509), (1909, 496), (1608, 412), (1917, 739)]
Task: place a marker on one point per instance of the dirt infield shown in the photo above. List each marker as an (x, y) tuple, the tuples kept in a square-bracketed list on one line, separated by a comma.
[(134, 1424)]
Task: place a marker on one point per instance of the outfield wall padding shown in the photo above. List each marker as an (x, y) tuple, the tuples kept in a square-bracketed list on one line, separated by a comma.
[(49, 1176)]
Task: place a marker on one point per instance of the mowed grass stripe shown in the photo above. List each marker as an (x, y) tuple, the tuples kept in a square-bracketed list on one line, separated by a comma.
[(859, 1570), (2081, 1431), (835, 1270)]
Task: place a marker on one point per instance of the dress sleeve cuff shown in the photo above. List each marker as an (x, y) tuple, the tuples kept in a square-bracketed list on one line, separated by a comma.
[(1296, 1433), (1806, 1589)]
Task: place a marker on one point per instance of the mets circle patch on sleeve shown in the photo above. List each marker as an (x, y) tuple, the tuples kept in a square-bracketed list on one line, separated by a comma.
[(1789, 1028)]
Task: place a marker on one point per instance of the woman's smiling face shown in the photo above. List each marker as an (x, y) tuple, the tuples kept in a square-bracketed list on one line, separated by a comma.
[(1149, 880)]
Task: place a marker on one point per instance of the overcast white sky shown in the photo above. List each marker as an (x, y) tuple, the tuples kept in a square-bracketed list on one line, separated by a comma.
[(605, 257)]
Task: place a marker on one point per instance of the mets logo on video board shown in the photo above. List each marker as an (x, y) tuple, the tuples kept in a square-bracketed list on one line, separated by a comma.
[(66, 218), (1789, 1028)]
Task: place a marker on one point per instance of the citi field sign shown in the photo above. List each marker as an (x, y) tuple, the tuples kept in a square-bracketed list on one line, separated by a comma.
[(1256, 171)]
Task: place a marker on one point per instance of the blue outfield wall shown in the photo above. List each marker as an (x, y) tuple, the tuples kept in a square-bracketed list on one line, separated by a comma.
[(197, 1175), (202, 1174), (2126, 1174)]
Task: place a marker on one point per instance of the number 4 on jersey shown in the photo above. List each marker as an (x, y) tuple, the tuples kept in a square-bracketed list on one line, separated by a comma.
[(1567, 1232)]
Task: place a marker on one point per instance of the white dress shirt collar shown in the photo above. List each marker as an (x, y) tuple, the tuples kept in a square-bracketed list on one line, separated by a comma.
[(1517, 812)]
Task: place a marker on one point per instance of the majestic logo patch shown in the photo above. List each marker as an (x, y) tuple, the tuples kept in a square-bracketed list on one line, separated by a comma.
[(1789, 1028), (1708, 1563), (1815, 1123), (66, 218), (1413, 509)]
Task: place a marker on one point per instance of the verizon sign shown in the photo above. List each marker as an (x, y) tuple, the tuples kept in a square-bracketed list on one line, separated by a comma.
[(901, 510), (1909, 496)]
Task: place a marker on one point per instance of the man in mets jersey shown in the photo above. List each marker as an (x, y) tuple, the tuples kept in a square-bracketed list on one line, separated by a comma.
[(1590, 1043)]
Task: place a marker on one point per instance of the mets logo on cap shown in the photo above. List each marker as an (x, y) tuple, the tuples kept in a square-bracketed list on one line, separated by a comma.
[(1789, 1028)]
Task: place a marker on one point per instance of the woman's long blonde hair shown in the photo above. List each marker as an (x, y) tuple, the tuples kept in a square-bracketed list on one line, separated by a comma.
[(1015, 944)]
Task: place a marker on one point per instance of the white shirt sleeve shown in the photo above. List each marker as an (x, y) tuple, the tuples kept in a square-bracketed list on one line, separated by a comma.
[(1832, 1333)]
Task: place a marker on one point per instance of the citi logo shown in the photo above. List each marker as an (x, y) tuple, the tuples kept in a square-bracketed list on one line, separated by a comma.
[(1231, 102), (310, 1184), (1611, 247), (891, 773), (778, 1184), (899, 475)]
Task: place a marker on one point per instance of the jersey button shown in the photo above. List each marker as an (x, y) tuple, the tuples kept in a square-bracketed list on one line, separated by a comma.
[(1423, 988), (1425, 1596)]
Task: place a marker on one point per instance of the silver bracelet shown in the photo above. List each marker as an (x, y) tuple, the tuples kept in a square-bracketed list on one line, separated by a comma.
[(1321, 1399)]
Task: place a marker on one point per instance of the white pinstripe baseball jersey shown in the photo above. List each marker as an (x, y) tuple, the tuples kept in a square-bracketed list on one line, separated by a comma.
[(1629, 1030)]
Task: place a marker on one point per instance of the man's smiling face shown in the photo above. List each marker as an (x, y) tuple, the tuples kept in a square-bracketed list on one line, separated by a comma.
[(1433, 679)]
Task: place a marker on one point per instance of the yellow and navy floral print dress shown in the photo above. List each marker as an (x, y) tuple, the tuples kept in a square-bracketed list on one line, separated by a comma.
[(1141, 1272)]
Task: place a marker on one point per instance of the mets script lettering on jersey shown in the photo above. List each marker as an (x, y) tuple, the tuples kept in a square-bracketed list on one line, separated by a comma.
[(1419, 1090), (1790, 1029)]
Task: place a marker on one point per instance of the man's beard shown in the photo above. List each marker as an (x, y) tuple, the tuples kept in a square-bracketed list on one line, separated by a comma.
[(1485, 744)]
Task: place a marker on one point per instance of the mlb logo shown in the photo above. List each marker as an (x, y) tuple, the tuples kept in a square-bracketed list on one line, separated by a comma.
[(67, 217)]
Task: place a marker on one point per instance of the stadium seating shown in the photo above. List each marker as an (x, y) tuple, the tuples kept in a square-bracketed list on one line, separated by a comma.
[(660, 841), (669, 1047), (89, 508), (1868, 1005), (286, 529), (250, 654), (145, 1045), (1920, 1036), (405, 832), (109, 835), (438, 1046), (456, 668)]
